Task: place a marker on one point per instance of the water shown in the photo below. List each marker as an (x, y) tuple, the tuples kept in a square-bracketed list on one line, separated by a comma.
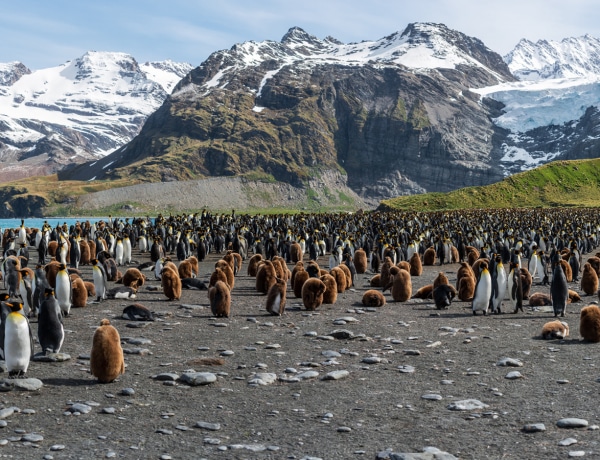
[(35, 222)]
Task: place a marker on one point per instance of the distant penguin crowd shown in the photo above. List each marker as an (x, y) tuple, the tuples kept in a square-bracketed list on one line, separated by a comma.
[(498, 257)]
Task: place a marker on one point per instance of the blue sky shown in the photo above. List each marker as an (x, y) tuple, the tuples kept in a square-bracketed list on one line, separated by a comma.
[(47, 33)]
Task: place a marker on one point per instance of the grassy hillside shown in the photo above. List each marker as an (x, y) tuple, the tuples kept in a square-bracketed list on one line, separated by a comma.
[(563, 183)]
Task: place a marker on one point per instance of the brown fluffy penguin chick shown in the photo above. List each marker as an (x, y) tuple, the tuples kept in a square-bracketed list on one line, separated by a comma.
[(373, 298), (276, 297), (84, 253), (347, 273), (52, 268), (539, 299), (266, 277), (238, 261), (106, 359), (375, 281), (416, 267), (91, 289), (526, 281), (360, 261), (441, 278), (466, 288), (385, 271), (220, 299), (299, 280), (217, 275), (79, 293), (589, 323), (555, 330), (171, 283), (312, 293), (297, 267), (223, 265), (429, 256), (193, 260), (595, 263), (133, 278), (280, 267), (185, 269), (567, 269), (404, 265), (401, 285), (573, 297), (330, 295), (464, 270), (340, 279), (253, 264), (472, 256), (426, 292), (295, 252), (589, 279)]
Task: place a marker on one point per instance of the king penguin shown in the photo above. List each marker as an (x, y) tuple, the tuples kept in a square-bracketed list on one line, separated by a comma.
[(18, 341), (63, 289), (51, 332), (499, 282), (515, 287), (559, 289), (483, 290), (99, 277)]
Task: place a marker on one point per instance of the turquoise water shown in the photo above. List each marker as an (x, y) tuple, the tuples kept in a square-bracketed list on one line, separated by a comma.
[(53, 221)]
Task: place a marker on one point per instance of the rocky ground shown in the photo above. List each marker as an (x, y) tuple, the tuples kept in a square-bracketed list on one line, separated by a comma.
[(406, 372)]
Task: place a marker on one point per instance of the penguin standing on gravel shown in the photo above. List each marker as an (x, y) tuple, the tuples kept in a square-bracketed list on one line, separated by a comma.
[(499, 283), (559, 289), (483, 290), (64, 295), (18, 341), (51, 332), (515, 287), (99, 278)]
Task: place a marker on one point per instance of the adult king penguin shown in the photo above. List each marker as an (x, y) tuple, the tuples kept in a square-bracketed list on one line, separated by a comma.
[(483, 290), (51, 332), (99, 278), (18, 341)]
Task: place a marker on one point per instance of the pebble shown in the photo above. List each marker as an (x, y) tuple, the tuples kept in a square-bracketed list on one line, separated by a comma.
[(164, 431), (79, 408), (108, 410), (466, 405), (51, 357), (347, 319), (311, 334), (344, 429), (572, 423), (137, 351), (273, 346), (371, 360), (331, 354), (406, 369), (431, 397), (32, 437), (198, 378), (208, 426), (57, 447), (513, 375), (342, 334), (336, 375), (307, 375), (227, 353), (510, 362), (166, 376), (28, 384), (577, 453), (139, 341), (534, 428), (6, 412), (127, 391), (567, 442), (262, 378), (412, 352)]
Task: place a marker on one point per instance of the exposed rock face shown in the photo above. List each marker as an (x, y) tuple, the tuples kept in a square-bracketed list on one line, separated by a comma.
[(286, 108)]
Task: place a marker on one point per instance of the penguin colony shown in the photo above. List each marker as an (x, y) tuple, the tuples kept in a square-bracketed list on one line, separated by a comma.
[(496, 263)]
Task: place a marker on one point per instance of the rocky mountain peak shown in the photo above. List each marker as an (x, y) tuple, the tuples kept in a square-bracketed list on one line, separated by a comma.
[(11, 72), (572, 57)]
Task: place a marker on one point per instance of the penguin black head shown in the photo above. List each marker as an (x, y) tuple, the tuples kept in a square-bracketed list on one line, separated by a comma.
[(4, 296), (14, 306)]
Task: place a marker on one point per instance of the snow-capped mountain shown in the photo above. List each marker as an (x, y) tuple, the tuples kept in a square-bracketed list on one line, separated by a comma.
[(78, 111), (547, 113), (573, 57), (395, 114)]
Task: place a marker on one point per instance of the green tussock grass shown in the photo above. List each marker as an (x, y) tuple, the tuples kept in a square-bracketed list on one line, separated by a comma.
[(559, 184)]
